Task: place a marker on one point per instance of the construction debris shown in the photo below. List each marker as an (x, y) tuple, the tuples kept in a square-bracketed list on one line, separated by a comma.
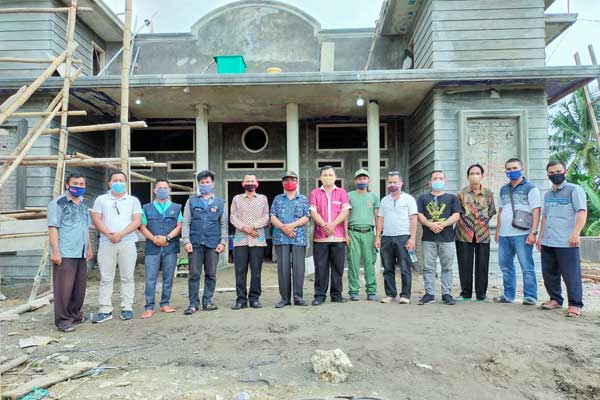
[(13, 314), (7, 366), (35, 341), (331, 365)]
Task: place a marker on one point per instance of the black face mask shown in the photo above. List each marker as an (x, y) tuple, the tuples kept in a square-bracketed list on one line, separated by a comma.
[(557, 179)]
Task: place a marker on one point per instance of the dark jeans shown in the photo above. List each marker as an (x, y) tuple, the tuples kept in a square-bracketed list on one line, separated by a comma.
[(329, 259), (153, 264), (69, 291), (565, 262), (208, 257), (244, 256), (290, 262), (393, 251), (466, 254)]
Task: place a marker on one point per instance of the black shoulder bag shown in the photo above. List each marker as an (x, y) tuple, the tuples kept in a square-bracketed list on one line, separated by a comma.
[(522, 220)]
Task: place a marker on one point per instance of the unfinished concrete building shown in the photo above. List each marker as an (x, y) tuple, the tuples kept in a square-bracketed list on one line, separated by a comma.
[(444, 84)]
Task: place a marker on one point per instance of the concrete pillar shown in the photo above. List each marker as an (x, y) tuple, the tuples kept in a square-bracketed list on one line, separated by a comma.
[(201, 137), (293, 138), (374, 156)]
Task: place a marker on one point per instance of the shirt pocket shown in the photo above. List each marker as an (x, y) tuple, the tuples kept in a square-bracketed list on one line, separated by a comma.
[(70, 217), (336, 207)]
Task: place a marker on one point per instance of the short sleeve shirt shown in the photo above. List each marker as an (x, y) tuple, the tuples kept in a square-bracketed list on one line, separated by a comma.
[(117, 214), (73, 223), (526, 198), (438, 209), (329, 206), (396, 214), (560, 209), (477, 209), (287, 211), (363, 205)]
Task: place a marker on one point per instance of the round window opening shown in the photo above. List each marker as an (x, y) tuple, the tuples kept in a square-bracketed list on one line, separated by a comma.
[(255, 139)]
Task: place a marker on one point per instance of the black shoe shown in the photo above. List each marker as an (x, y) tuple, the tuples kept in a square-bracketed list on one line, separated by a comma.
[(317, 302), (256, 304), (209, 307), (448, 300), (340, 300), (239, 306), (428, 298), (282, 304), (354, 297), (190, 310), (300, 302)]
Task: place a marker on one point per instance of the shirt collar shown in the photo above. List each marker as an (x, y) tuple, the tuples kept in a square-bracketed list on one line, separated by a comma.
[(114, 198), (334, 188), (560, 187), (252, 196), (164, 205), (482, 189), (70, 199)]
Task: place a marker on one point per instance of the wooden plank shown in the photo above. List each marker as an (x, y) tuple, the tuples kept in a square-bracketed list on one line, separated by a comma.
[(30, 60), (486, 5), (488, 14), (489, 44), (41, 10), (49, 380), (24, 226), (7, 366), (480, 55), (96, 128), (490, 34), (30, 114), (515, 23)]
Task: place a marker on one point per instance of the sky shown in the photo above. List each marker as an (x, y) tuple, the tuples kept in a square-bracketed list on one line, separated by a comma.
[(180, 15)]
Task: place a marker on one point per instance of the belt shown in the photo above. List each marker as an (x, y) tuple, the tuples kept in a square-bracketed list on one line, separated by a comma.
[(361, 230)]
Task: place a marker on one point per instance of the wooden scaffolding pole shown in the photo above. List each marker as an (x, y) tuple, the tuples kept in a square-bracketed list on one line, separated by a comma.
[(62, 146), (125, 65), (30, 114), (31, 60), (588, 98), (97, 127)]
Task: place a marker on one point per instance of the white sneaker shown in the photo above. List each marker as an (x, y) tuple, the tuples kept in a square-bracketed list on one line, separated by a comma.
[(403, 300), (388, 299)]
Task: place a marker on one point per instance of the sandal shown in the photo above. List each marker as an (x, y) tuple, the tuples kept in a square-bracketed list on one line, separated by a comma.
[(167, 309), (574, 312), (190, 310), (551, 305), (67, 329), (502, 300)]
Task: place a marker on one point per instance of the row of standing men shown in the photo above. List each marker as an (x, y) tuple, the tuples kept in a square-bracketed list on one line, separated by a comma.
[(353, 226)]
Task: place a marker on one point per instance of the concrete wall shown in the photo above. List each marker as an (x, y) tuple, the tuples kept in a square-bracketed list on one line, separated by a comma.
[(39, 36), (474, 34)]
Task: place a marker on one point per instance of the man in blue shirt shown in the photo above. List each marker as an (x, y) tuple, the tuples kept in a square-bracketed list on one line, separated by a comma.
[(161, 225), (70, 246), (563, 217), (289, 215), (519, 196)]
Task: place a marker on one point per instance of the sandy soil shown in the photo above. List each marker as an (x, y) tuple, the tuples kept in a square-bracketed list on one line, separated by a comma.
[(468, 351)]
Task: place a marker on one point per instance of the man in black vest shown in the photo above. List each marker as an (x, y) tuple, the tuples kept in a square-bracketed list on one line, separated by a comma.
[(161, 225), (204, 236)]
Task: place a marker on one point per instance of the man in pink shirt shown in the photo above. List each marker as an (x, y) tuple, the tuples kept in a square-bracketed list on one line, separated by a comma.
[(329, 208)]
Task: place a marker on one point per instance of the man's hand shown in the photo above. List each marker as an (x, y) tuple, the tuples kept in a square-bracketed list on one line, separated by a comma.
[(410, 244), (435, 227), (55, 258), (530, 239), (377, 242), (220, 248), (254, 233), (115, 237), (574, 240), (348, 240), (90, 254), (497, 237), (328, 229), (188, 248), (162, 241), (538, 244)]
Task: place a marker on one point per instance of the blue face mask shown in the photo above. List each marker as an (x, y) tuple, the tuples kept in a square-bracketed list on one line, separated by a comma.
[(162, 194), (438, 185), (362, 186), (76, 191), (514, 175), (205, 189), (118, 187)]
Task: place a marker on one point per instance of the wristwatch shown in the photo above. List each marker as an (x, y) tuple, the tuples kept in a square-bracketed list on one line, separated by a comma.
[(534, 233), (168, 238)]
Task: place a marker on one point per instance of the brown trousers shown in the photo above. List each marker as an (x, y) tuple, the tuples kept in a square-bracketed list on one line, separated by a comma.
[(69, 291)]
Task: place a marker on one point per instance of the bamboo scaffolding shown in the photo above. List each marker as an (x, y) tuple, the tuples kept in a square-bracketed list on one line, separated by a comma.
[(588, 97), (30, 114), (12, 98), (42, 10), (96, 128), (26, 94), (83, 162), (125, 66), (31, 60)]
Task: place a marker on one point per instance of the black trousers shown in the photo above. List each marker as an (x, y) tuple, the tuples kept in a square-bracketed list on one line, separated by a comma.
[(469, 255), (69, 291), (563, 262), (393, 251), (290, 263), (242, 257), (208, 257), (329, 259)]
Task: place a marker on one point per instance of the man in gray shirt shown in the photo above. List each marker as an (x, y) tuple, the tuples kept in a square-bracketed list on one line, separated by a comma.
[(563, 217), (204, 235)]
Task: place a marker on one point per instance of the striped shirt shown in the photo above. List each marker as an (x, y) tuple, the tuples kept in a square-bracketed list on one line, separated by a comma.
[(477, 209)]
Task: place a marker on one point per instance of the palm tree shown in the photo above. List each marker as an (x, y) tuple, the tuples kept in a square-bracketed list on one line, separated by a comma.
[(573, 140)]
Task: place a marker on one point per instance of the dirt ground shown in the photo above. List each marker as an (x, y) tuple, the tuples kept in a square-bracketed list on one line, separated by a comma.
[(467, 351)]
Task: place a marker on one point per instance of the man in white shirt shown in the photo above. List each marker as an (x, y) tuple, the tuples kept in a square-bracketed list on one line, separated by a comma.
[(395, 237), (117, 216)]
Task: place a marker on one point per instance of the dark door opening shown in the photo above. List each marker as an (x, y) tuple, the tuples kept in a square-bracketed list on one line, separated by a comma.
[(267, 188)]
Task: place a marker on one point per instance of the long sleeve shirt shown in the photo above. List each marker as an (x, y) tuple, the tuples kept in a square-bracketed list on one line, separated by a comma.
[(249, 211), (187, 222)]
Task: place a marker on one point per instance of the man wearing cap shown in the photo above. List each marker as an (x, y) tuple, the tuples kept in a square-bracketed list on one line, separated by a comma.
[(360, 236), (289, 215)]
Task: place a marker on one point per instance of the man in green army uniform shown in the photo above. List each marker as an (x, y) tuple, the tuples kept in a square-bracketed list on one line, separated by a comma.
[(360, 236)]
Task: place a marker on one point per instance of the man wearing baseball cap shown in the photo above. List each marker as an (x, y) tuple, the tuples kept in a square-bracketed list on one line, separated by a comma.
[(360, 236), (289, 215)]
